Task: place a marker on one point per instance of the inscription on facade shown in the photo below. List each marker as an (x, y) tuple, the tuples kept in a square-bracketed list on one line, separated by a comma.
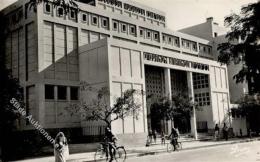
[(175, 61), (134, 9)]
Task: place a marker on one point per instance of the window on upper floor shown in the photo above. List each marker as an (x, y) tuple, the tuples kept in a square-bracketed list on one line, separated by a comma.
[(84, 17), (104, 23), (187, 44), (49, 92), (148, 34), (141, 32), (170, 40), (156, 36), (47, 8), (132, 30), (124, 28), (163, 38), (72, 14), (194, 46), (94, 20), (74, 93), (115, 25), (62, 93), (60, 11)]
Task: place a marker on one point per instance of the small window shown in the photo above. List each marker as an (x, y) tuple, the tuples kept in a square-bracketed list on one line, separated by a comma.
[(156, 36), (49, 92), (132, 30), (60, 12), (94, 20), (163, 38), (176, 42), (141, 32), (194, 46), (170, 40), (74, 93), (124, 28), (62, 93), (84, 17), (72, 14), (188, 44), (115, 25), (215, 34), (148, 34), (104, 23), (209, 50), (47, 8), (204, 49)]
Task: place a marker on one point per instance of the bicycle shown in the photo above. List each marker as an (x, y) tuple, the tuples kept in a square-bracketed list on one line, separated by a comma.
[(170, 146), (102, 153)]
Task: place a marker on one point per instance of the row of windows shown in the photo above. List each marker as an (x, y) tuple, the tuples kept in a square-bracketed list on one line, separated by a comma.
[(200, 81), (189, 45), (202, 99), (62, 92), (171, 40), (205, 49), (149, 34), (124, 27), (102, 21)]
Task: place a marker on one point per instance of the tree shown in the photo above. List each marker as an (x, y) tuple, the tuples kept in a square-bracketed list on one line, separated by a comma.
[(9, 88), (180, 108), (99, 107), (249, 107), (243, 45)]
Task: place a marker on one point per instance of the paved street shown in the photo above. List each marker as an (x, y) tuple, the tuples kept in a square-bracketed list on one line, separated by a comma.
[(244, 152)]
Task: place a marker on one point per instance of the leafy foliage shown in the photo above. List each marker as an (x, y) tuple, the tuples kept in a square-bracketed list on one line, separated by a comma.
[(243, 45), (179, 107), (100, 108)]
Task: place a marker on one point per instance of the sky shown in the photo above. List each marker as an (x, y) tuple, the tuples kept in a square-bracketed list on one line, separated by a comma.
[(185, 13)]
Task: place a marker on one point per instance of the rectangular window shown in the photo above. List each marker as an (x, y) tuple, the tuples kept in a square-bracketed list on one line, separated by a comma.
[(176, 42), (74, 93), (141, 32), (123, 28), (115, 25), (84, 17), (156, 36), (132, 30), (72, 14), (163, 38), (60, 12), (148, 34), (209, 50), (104, 22), (62, 93), (47, 8), (49, 92), (94, 20), (170, 40)]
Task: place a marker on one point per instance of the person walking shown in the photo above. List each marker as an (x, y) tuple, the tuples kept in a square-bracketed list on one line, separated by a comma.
[(162, 138), (61, 149), (216, 133), (154, 136), (225, 132)]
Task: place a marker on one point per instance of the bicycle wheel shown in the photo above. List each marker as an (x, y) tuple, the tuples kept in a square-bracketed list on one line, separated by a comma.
[(170, 147), (179, 145), (120, 154), (100, 155)]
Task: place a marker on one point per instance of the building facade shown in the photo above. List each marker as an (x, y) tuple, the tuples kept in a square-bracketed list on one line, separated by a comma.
[(113, 43)]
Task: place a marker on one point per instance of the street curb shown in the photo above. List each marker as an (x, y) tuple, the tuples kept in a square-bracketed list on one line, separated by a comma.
[(161, 151)]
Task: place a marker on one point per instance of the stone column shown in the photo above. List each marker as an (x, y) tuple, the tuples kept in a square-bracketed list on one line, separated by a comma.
[(191, 95), (168, 93)]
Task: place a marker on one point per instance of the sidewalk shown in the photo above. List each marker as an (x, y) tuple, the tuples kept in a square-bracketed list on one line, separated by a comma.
[(143, 151)]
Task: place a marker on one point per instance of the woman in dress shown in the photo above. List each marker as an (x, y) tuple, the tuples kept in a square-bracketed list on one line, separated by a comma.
[(61, 149)]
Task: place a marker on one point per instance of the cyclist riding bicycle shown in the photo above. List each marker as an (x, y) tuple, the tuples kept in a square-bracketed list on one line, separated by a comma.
[(174, 138), (110, 140)]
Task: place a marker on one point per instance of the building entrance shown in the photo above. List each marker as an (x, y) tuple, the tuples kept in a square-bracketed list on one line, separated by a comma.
[(155, 91)]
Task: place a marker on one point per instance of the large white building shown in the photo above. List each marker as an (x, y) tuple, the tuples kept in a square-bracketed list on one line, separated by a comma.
[(115, 43)]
